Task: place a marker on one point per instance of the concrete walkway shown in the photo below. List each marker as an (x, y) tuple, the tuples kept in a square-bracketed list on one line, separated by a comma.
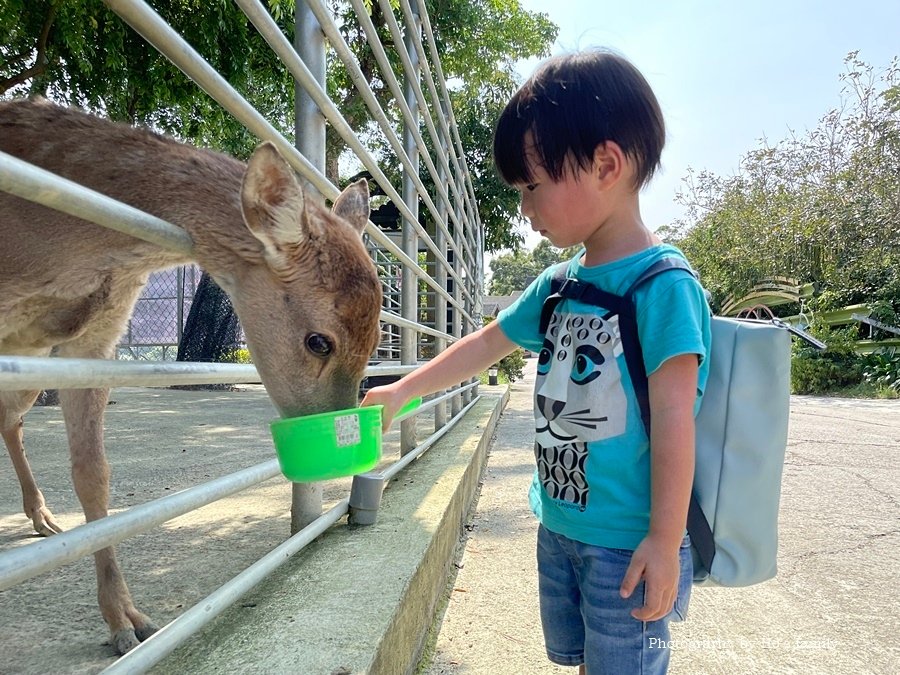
[(832, 609)]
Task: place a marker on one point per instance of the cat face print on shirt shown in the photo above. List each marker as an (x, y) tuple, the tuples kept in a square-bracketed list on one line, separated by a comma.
[(578, 391), (579, 398)]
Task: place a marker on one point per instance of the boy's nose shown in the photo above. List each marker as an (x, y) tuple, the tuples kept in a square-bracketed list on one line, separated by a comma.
[(525, 205)]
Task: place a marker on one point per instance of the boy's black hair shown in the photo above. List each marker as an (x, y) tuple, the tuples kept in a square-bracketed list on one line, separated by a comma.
[(572, 104)]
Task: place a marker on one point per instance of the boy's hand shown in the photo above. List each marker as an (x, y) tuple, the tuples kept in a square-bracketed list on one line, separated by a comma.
[(658, 564), (390, 398)]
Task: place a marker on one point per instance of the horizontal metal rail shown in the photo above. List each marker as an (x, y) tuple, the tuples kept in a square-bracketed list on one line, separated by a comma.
[(162, 643), (416, 452), (180, 630), (24, 373), (29, 561), (37, 185), (43, 556)]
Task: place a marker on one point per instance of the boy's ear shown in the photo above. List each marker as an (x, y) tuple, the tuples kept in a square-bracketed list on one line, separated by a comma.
[(610, 163)]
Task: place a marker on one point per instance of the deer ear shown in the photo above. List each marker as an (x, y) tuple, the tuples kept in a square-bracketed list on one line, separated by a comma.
[(272, 202), (352, 205)]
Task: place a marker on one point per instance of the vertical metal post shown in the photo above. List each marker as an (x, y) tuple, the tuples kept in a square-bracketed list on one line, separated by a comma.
[(456, 401), (179, 304), (409, 352), (440, 276), (309, 127)]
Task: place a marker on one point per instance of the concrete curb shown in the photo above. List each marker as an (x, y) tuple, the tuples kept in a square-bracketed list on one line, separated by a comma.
[(359, 599)]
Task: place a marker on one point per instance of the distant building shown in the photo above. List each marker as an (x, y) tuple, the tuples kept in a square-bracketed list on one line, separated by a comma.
[(494, 304)]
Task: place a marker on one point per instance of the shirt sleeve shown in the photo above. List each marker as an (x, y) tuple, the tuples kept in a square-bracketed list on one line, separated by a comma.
[(673, 319), (520, 322)]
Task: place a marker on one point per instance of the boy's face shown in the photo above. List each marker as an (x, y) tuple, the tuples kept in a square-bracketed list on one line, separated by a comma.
[(568, 211)]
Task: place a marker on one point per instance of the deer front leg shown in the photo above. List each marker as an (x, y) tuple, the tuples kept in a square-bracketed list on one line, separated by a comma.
[(13, 405), (83, 411)]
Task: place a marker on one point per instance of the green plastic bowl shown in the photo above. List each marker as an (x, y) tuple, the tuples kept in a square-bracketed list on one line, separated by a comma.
[(331, 445)]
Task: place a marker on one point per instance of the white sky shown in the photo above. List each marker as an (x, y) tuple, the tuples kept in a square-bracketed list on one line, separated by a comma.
[(728, 73)]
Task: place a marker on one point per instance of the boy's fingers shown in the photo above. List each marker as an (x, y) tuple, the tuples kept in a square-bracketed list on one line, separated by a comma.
[(650, 610), (631, 579), (656, 606)]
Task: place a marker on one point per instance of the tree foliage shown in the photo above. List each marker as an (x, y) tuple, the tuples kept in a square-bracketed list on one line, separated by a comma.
[(513, 271), (822, 207), (479, 43), (79, 52)]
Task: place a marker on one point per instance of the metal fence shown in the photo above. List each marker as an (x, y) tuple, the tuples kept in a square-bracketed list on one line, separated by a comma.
[(432, 273)]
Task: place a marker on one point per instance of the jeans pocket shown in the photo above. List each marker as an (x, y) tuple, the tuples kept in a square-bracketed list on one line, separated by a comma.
[(685, 581)]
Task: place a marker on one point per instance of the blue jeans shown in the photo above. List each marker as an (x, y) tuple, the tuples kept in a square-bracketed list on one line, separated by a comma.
[(585, 619)]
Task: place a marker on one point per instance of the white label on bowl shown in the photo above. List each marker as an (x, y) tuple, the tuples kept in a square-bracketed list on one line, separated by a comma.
[(346, 430)]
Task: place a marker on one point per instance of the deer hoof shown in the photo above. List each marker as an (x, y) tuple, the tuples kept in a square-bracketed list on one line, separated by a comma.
[(44, 522), (124, 640), (145, 631)]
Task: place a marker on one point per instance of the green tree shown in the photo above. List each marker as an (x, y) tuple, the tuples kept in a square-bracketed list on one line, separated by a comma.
[(821, 207), (79, 52), (513, 271)]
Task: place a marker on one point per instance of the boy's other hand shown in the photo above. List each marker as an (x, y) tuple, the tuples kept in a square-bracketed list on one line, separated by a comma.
[(659, 567)]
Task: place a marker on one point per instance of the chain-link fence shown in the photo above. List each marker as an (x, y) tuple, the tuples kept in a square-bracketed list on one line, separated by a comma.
[(157, 324)]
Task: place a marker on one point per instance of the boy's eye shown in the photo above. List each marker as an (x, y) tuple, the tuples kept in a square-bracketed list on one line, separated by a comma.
[(531, 187)]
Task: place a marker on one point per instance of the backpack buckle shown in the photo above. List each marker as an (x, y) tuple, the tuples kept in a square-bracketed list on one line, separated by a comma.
[(572, 289)]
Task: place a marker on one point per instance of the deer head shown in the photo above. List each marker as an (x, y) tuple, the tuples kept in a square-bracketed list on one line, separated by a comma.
[(310, 308)]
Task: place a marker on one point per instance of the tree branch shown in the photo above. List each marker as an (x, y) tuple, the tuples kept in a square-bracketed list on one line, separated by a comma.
[(41, 62)]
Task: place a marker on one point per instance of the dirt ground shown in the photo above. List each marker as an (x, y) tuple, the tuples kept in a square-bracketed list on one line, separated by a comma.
[(158, 441)]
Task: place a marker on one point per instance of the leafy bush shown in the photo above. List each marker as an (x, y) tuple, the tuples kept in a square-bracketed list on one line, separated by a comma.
[(513, 365), (882, 369), (816, 372), (237, 356)]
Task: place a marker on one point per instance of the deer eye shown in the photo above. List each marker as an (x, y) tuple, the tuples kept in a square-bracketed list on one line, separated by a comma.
[(319, 344)]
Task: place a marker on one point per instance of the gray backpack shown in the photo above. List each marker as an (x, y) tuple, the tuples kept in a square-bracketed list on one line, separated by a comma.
[(741, 430)]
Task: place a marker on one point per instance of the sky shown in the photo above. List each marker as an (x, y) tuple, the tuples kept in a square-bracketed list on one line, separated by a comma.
[(727, 73)]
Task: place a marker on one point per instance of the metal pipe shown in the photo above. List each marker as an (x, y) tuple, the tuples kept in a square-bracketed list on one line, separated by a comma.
[(19, 373), (416, 452), (38, 185), (28, 561), (162, 643), (309, 138), (312, 88), (169, 43)]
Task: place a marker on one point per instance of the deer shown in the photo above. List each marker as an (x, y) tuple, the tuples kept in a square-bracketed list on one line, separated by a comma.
[(299, 277)]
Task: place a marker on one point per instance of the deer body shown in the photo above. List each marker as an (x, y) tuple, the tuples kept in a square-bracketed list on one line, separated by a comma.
[(299, 277)]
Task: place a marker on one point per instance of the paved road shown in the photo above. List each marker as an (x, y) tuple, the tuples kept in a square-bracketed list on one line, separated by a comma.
[(832, 609)]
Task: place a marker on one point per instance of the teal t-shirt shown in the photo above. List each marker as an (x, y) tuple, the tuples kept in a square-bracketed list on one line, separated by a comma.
[(592, 482)]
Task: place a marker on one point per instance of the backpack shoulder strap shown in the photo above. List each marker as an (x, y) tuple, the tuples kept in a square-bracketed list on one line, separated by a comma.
[(631, 344), (660, 266), (564, 288), (557, 279), (697, 524)]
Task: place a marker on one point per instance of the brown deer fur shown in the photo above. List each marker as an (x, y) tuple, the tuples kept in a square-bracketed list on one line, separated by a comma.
[(291, 268)]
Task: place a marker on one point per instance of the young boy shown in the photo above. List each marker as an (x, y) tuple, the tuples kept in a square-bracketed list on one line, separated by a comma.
[(579, 140)]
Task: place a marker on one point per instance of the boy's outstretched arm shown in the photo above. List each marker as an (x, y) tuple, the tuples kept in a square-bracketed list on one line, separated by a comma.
[(462, 360), (673, 390)]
